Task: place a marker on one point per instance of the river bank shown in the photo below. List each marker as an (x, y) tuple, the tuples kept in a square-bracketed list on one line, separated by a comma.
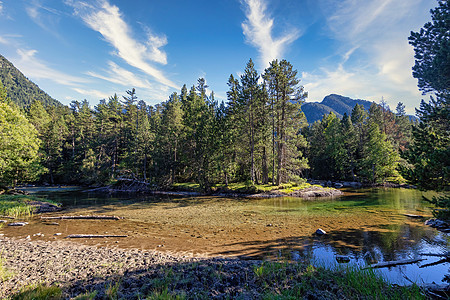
[(134, 274), (243, 190)]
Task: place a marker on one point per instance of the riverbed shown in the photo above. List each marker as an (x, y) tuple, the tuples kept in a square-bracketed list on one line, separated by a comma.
[(367, 226)]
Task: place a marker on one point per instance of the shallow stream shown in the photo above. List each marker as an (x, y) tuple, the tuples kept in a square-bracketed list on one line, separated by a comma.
[(368, 226)]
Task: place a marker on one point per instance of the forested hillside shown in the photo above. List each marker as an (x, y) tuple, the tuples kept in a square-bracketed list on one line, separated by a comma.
[(20, 89)]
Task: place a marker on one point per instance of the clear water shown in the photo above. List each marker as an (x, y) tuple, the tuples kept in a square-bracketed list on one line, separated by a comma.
[(368, 226)]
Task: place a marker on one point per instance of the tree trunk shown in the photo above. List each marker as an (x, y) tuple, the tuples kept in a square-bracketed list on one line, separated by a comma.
[(265, 171)]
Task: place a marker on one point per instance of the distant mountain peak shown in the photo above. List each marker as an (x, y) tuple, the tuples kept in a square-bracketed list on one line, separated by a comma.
[(20, 89), (337, 104)]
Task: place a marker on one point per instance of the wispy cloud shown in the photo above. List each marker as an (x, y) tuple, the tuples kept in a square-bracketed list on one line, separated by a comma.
[(108, 21), (1, 7), (45, 17), (119, 75), (92, 93), (29, 64), (258, 32), (377, 58)]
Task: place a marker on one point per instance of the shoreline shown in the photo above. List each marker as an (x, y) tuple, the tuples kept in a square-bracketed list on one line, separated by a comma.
[(101, 272)]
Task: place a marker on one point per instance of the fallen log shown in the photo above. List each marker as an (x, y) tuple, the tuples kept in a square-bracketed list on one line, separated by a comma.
[(89, 236), (393, 263), (83, 218), (441, 261)]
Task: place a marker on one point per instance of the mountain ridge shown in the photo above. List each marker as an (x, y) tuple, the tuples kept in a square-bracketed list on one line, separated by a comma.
[(337, 104)]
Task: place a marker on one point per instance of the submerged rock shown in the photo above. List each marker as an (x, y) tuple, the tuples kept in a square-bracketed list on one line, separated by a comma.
[(342, 259), (436, 223)]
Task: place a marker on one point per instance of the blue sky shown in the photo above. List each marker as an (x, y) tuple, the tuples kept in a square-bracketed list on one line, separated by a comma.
[(77, 50)]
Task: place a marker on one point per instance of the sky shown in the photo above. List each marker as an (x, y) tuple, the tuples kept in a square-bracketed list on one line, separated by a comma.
[(77, 50)]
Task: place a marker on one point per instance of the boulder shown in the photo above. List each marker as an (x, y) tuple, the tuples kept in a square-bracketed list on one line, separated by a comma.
[(320, 231)]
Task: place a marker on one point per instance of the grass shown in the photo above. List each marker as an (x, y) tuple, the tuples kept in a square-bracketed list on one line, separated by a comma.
[(248, 187), (5, 274), (18, 205), (266, 280), (39, 292)]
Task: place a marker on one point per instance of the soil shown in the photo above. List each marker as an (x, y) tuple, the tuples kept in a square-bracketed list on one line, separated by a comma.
[(78, 269)]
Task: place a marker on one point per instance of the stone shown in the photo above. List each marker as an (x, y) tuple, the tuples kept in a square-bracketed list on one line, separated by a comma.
[(338, 185), (58, 233), (320, 232)]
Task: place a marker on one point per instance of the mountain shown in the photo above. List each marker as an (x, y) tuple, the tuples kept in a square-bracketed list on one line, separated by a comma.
[(337, 104), (20, 89)]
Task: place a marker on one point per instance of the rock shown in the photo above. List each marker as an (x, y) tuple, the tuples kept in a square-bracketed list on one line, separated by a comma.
[(3, 221), (436, 223), (18, 224), (342, 259), (320, 232), (338, 185)]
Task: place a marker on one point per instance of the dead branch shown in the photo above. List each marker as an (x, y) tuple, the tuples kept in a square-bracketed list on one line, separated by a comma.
[(394, 263), (89, 236), (83, 218)]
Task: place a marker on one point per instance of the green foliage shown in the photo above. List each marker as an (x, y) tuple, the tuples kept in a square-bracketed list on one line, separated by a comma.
[(356, 147), (19, 145), (432, 51), (22, 91)]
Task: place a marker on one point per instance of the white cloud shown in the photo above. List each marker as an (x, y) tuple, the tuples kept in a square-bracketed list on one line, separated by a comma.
[(107, 20), (381, 66), (257, 29), (1, 7), (36, 69)]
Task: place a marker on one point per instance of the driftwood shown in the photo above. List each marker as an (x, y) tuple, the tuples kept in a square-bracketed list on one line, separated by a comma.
[(83, 218), (394, 263), (89, 236), (413, 216), (7, 217)]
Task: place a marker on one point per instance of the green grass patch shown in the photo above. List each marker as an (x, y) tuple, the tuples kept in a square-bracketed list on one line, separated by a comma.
[(5, 274), (19, 205), (38, 292)]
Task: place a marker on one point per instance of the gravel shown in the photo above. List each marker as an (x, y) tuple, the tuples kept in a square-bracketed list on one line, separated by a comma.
[(78, 269)]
